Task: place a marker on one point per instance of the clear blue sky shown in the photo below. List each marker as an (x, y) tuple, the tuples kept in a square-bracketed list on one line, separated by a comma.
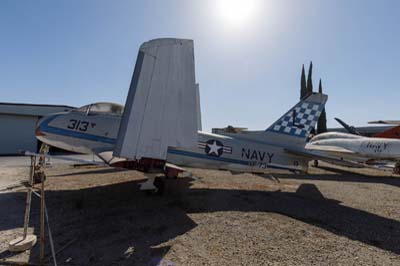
[(76, 52)]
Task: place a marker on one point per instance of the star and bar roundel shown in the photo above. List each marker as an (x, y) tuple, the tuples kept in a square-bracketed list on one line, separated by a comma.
[(214, 147)]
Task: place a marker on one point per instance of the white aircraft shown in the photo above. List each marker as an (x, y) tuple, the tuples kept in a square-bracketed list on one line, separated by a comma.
[(355, 150), (158, 130)]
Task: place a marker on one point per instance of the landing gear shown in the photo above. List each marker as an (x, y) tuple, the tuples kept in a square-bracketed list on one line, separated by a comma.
[(396, 169), (153, 185), (171, 173), (315, 163)]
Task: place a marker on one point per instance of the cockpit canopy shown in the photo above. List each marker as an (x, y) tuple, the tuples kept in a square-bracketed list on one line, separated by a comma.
[(101, 108)]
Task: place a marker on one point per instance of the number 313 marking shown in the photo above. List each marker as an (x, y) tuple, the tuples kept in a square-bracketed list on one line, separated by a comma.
[(78, 125)]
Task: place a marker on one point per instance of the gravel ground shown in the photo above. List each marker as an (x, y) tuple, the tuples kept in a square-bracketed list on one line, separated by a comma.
[(322, 218)]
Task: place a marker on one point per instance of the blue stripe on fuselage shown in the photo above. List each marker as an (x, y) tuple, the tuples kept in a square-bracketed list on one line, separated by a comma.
[(205, 156), (221, 159)]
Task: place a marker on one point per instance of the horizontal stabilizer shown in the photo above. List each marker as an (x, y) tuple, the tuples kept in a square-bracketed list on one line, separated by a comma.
[(350, 129), (161, 107), (386, 122)]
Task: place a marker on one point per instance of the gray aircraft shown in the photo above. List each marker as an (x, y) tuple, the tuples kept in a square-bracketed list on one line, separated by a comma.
[(158, 129)]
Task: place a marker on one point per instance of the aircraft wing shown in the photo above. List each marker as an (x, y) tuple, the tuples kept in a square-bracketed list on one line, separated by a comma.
[(318, 155), (63, 158), (175, 167), (161, 107), (109, 159)]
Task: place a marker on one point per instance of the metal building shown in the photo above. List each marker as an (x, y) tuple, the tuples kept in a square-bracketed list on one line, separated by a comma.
[(17, 125)]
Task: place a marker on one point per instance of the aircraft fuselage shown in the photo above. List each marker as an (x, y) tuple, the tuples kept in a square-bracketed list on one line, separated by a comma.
[(95, 133), (358, 146)]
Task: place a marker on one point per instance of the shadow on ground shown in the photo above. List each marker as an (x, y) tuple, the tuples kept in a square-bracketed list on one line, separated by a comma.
[(340, 176), (88, 171), (119, 225)]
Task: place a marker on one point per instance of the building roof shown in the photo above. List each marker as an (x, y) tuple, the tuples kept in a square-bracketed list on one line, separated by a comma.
[(32, 109)]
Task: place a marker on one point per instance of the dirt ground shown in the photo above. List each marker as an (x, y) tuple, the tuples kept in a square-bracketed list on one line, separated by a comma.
[(322, 218)]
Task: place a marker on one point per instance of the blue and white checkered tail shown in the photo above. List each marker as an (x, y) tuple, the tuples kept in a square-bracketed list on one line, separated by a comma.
[(299, 121)]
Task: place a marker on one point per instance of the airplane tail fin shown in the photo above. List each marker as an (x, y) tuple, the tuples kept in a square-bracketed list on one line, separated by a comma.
[(296, 125), (161, 107)]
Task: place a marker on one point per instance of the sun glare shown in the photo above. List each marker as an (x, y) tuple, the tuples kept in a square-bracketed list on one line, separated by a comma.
[(237, 12)]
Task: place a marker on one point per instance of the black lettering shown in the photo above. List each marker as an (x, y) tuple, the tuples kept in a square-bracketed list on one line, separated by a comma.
[(270, 155), (254, 155), (72, 124), (84, 126), (246, 153), (261, 155), (78, 125), (263, 165)]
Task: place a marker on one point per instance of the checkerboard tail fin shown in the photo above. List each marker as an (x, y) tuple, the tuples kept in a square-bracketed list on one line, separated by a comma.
[(300, 120)]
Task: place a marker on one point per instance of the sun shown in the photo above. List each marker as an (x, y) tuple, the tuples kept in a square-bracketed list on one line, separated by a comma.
[(237, 12)]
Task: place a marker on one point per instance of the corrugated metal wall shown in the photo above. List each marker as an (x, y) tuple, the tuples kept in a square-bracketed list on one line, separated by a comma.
[(17, 133)]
